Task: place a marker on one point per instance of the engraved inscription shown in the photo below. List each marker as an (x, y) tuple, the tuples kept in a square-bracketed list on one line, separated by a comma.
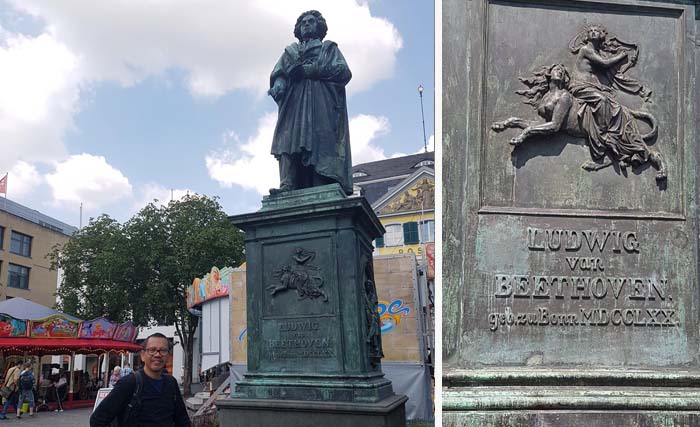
[(586, 317), (300, 339), (573, 240), (580, 287), (588, 283)]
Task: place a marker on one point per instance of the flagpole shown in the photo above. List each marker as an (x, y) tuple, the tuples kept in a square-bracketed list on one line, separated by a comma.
[(6, 178)]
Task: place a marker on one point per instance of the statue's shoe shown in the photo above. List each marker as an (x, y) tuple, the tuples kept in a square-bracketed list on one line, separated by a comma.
[(283, 189)]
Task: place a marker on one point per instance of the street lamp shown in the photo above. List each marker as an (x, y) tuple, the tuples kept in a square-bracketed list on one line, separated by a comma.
[(420, 93)]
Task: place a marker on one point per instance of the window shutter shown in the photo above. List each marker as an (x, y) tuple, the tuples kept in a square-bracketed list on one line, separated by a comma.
[(379, 242), (410, 233)]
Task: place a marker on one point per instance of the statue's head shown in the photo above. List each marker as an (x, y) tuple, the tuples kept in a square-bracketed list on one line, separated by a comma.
[(310, 25), (596, 32), (558, 72), (591, 32)]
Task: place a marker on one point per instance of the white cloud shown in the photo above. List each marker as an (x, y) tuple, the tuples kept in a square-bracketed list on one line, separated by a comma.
[(431, 145), (88, 179), (251, 166), (23, 178), (221, 44), (363, 129), (39, 92)]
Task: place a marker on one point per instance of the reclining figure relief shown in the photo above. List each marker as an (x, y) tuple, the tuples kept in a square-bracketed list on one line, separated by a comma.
[(585, 106)]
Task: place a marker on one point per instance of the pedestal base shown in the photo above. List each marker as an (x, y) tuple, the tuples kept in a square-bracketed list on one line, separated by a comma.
[(571, 419), (572, 406), (389, 412)]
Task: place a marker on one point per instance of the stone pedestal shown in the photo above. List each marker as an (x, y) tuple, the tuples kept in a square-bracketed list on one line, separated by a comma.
[(570, 275), (313, 335), (303, 413)]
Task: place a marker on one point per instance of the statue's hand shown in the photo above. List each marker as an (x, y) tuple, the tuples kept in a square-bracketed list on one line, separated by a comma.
[(296, 72), (498, 126), (276, 92), (310, 71)]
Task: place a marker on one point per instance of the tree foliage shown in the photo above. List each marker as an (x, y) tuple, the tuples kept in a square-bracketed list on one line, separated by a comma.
[(140, 270)]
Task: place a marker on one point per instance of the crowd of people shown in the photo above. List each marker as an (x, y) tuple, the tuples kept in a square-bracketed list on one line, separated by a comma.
[(18, 388), (150, 394)]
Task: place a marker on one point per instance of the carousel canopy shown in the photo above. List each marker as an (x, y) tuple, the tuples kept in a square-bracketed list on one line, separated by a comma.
[(31, 328), (21, 308)]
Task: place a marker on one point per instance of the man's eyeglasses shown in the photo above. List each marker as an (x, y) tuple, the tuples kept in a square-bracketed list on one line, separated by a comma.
[(153, 351)]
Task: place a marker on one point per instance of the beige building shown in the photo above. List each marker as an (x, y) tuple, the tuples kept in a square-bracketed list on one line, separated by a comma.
[(26, 237)]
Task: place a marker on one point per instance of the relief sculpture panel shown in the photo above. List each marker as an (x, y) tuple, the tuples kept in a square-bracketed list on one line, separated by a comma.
[(585, 105), (578, 235), (585, 115)]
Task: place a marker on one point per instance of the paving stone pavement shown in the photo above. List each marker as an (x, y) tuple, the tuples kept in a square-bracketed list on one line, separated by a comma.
[(70, 418)]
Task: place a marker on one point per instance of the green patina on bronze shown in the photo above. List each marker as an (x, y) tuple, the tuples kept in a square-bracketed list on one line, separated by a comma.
[(313, 333), (519, 349), (311, 139), (308, 283), (308, 196)]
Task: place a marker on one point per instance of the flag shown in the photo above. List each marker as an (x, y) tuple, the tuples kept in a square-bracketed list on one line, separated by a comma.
[(3, 185)]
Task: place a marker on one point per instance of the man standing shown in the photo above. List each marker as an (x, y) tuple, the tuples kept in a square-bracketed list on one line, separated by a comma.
[(145, 398), (11, 381), (26, 389), (311, 140)]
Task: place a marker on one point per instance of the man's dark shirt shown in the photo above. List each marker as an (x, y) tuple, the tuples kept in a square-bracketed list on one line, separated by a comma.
[(161, 404)]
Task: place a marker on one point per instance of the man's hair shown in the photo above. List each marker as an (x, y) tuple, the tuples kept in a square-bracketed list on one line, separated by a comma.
[(321, 27), (27, 364), (155, 335)]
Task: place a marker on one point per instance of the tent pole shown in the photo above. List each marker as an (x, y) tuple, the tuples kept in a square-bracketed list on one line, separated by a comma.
[(72, 374)]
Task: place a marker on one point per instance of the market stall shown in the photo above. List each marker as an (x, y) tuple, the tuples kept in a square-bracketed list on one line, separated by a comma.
[(28, 329)]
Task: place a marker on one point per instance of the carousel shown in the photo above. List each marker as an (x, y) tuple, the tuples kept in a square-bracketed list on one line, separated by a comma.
[(30, 331)]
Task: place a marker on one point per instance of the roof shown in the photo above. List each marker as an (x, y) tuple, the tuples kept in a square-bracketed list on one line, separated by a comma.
[(384, 175), (403, 186), (398, 166), (36, 217), (20, 308)]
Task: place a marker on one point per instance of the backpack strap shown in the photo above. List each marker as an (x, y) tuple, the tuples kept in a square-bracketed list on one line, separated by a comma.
[(135, 403)]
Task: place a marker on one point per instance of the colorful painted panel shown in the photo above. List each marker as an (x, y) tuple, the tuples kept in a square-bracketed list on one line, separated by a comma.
[(430, 254), (216, 284), (126, 332), (11, 327), (100, 328), (390, 313), (55, 326)]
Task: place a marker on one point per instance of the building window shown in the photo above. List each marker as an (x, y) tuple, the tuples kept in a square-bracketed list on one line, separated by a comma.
[(424, 163), (21, 244), (18, 277), (394, 235), (379, 243), (410, 233), (2, 237), (427, 231)]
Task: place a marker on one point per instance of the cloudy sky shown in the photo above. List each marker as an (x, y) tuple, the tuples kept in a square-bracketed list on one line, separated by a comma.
[(115, 103)]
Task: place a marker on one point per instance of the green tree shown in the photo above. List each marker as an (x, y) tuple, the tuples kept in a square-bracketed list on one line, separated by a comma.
[(141, 270), (92, 283)]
